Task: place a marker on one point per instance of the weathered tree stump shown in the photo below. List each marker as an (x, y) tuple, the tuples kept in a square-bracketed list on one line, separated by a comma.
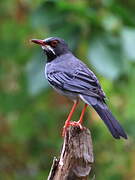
[(76, 157)]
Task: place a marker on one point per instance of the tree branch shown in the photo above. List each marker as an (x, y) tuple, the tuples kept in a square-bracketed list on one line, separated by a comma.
[(76, 157)]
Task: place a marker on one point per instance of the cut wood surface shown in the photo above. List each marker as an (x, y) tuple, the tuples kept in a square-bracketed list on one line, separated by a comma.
[(76, 156)]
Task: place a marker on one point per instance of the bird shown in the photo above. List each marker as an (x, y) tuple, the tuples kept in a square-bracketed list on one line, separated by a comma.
[(72, 78)]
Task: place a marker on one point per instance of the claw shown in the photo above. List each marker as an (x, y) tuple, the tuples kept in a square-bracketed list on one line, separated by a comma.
[(72, 123)]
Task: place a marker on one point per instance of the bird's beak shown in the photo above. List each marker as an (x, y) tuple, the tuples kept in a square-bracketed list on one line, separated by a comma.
[(38, 41), (43, 44)]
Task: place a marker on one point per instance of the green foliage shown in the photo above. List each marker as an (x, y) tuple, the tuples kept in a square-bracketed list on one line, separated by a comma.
[(101, 33), (104, 53)]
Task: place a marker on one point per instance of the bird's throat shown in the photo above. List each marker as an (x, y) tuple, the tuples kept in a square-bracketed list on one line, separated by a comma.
[(50, 56)]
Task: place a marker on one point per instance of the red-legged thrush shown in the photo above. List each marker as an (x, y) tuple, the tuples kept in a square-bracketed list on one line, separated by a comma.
[(72, 78)]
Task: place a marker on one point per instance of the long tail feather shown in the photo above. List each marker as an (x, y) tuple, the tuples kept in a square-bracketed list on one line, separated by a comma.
[(106, 115)]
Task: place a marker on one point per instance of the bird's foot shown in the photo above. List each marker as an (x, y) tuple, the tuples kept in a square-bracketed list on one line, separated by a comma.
[(74, 123), (71, 123)]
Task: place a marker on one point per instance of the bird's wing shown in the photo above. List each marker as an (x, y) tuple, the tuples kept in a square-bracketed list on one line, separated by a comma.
[(81, 81)]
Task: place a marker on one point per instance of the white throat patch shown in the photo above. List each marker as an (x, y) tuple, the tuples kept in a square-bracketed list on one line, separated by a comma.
[(47, 47)]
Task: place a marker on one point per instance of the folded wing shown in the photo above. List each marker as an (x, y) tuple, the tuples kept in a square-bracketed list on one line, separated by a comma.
[(78, 82)]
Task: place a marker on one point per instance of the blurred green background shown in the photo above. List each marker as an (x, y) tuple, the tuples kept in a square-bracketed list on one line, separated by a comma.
[(102, 34)]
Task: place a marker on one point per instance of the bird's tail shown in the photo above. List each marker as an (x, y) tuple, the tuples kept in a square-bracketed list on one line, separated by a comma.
[(106, 115)]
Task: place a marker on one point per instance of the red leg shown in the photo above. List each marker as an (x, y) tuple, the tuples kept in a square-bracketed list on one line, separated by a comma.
[(82, 114), (79, 123), (67, 123)]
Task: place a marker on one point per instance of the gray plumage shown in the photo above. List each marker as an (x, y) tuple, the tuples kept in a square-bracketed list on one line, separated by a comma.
[(72, 78)]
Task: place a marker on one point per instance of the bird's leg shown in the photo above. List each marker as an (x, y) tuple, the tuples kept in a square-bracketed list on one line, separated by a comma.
[(82, 114), (79, 123), (67, 123), (74, 123)]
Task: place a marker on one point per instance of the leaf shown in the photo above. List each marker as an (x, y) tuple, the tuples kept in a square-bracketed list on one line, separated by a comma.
[(104, 54), (35, 75), (128, 43)]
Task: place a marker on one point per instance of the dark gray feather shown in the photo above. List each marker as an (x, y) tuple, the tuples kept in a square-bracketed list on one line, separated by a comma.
[(106, 115)]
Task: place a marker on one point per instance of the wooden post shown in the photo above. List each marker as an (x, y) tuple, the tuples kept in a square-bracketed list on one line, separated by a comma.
[(76, 157)]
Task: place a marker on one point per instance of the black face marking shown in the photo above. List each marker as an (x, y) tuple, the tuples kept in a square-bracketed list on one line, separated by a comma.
[(54, 47)]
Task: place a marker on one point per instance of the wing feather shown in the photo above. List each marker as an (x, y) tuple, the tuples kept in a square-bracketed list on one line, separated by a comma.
[(79, 82)]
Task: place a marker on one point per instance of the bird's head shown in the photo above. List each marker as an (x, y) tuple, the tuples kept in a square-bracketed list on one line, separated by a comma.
[(52, 46)]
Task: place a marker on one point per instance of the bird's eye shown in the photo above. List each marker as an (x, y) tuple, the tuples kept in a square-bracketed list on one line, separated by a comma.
[(54, 43)]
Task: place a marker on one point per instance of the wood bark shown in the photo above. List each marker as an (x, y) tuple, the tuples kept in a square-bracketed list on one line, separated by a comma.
[(76, 156)]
